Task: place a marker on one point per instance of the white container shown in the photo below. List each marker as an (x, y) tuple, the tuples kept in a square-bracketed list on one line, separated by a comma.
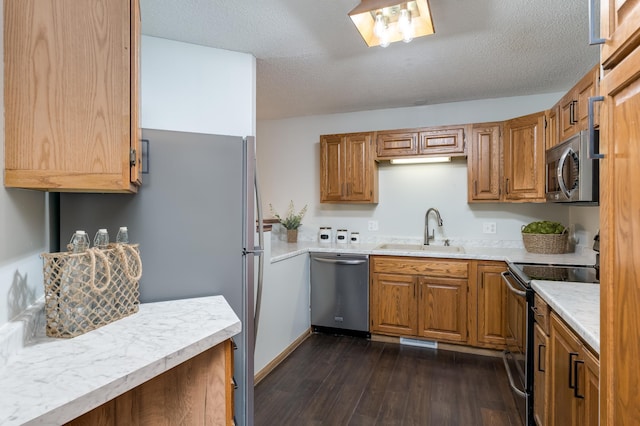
[(355, 238), (342, 236), (325, 234)]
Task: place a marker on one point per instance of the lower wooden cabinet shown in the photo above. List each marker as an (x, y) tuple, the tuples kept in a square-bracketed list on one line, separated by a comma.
[(540, 369), (491, 305), (196, 392), (419, 297), (574, 379)]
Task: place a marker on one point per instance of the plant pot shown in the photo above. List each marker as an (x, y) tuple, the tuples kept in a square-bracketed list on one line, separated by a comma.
[(292, 235)]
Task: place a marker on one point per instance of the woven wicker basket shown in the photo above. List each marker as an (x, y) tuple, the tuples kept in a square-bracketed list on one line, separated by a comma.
[(84, 291), (545, 243)]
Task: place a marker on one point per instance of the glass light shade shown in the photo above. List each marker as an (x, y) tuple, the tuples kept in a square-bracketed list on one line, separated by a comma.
[(420, 160), (404, 25)]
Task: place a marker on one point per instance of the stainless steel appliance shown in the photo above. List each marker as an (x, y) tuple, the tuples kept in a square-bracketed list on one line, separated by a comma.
[(340, 293), (571, 176), (194, 218), (518, 357)]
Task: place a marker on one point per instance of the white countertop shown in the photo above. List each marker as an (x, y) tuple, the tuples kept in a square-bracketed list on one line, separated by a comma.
[(51, 381), (578, 304), (281, 250)]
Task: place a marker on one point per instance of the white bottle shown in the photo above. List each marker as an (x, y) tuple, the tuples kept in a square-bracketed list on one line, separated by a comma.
[(73, 283), (123, 235), (101, 240), (79, 242)]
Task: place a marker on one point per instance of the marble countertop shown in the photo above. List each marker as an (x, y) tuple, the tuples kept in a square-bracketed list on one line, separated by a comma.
[(281, 250), (52, 381), (578, 304)]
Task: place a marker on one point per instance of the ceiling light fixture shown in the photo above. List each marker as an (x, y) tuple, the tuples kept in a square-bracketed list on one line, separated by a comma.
[(381, 22), (420, 160)]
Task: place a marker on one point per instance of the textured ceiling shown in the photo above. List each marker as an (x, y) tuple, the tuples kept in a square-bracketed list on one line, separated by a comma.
[(311, 60)]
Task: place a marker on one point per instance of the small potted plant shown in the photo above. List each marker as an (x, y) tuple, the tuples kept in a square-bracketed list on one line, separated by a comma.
[(291, 221)]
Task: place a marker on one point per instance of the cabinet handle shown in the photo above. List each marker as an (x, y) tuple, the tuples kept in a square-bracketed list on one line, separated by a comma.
[(572, 384), (593, 37), (506, 186), (235, 384), (575, 374), (592, 131), (572, 112), (540, 346)]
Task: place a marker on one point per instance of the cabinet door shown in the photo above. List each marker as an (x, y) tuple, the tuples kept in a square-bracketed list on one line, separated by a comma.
[(442, 141), (396, 144), (484, 163), (588, 389), (552, 137), (540, 369), (620, 236), (564, 349), (359, 168), (619, 26), (443, 309), (586, 88), (332, 170), (524, 162), (393, 304), (492, 305), (568, 118), (70, 94)]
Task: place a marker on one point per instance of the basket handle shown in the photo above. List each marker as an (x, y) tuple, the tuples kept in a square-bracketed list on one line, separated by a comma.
[(120, 248), (93, 252)]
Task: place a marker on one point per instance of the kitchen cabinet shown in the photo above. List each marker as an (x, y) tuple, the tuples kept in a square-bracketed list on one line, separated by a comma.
[(198, 391), (419, 297), (71, 95), (524, 161), (573, 107), (573, 375), (552, 135), (541, 361), (484, 163), (421, 142), (491, 305), (619, 226), (348, 170)]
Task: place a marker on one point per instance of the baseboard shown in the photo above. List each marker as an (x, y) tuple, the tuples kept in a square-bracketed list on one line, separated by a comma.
[(257, 378), (442, 346)]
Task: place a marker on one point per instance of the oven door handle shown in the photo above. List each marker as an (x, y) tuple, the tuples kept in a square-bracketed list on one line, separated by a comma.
[(518, 392), (509, 286)]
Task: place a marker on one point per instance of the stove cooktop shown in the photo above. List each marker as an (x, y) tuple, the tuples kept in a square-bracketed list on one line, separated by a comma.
[(568, 273)]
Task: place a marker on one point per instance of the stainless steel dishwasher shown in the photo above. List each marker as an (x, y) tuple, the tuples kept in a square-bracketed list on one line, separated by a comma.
[(340, 293)]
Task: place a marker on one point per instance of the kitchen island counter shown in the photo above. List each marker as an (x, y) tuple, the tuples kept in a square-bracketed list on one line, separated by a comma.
[(52, 381), (578, 304)]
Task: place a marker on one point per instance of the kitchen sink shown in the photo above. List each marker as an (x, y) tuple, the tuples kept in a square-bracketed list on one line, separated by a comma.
[(420, 247)]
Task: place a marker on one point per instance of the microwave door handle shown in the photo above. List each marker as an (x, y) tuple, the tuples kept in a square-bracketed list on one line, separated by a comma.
[(561, 182)]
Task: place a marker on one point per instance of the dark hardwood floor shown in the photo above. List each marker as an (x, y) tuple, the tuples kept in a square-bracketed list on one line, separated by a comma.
[(340, 380)]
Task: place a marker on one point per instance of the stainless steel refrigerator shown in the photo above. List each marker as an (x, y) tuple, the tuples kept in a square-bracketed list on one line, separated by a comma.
[(194, 218)]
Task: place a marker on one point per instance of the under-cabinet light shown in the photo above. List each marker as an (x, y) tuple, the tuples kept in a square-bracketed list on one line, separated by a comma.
[(421, 160)]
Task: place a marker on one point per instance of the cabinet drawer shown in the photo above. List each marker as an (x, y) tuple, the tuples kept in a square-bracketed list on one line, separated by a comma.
[(442, 140), (396, 144), (541, 312), (414, 266)]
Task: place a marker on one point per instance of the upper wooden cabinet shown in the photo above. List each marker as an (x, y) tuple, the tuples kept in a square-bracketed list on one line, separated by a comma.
[(574, 106), (484, 163), (619, 21), (552, 135), (422, 142), (71, 95), (348, 171), (524, 161)]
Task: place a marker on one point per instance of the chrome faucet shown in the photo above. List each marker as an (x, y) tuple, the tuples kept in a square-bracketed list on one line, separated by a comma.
[(428, 237)]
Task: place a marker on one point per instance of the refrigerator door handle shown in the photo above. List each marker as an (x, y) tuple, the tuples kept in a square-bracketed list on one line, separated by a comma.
[(258, 251)]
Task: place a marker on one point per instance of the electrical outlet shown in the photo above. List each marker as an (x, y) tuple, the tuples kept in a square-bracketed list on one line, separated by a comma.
[(372, 225), (489, 228)]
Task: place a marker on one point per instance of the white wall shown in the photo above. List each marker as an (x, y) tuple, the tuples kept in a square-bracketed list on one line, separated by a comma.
[(199, 89), (288, 159), (586, 221), (22, 239)]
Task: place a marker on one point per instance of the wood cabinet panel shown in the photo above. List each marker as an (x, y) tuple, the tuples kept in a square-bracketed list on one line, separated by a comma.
[(540, 382), (443, 309), (552, 137), (416, 266), (71, 95), (620, 241), (348, 171), (484, 163), (492, 303), (396, 144), (574, 106), (448, 140), (524, 161), (619, 27), (393, 304), (195, 392)]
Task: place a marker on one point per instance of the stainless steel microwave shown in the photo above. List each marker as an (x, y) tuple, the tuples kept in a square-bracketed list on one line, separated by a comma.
[(571, 176)]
